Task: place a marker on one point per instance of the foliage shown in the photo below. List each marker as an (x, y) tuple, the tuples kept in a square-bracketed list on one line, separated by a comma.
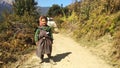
[(17, 31), (58, 21), (16, 36), (94, 19), (55, 10), (112, 6), (25, 6)]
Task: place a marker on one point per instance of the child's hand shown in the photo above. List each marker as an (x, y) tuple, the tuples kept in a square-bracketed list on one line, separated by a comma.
[(36, 43)]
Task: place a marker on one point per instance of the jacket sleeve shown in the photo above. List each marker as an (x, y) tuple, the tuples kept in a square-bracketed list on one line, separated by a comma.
[(36, 37), (51, 33)]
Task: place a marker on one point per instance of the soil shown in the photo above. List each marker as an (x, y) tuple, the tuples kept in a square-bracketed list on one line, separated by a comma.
[(67, 54)]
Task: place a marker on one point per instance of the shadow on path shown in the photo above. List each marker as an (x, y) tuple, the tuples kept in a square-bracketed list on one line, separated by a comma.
[(58, 57)]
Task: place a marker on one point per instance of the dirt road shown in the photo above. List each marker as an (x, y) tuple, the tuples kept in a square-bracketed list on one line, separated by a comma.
[(67, 54)]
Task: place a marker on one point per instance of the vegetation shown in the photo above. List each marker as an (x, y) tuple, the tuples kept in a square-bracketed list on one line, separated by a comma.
[(92, 20), (57, 10), (21, 7), (17, 33)]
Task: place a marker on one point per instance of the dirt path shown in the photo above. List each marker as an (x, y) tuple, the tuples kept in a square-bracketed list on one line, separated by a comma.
[(67, 54)]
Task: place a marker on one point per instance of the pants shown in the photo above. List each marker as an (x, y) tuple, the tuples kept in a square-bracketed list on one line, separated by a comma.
[(49, 56)]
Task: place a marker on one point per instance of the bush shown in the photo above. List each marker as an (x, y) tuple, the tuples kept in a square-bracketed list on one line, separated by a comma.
[(16, 37)]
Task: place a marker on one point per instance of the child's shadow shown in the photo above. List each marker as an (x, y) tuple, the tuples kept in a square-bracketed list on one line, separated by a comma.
[(58, 57)]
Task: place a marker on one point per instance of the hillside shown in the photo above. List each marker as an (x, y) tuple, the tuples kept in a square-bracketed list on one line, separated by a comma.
[(96, 25), (43, 10)]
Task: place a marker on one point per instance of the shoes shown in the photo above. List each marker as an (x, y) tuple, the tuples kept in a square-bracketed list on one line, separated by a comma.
[(41, 61), (52, 62)]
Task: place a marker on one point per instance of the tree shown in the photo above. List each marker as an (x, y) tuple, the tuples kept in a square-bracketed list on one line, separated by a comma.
[(112, 6), (25, 6), (55, 10)]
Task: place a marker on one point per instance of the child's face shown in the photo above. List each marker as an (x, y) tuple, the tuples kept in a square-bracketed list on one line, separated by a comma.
[(43, 22)]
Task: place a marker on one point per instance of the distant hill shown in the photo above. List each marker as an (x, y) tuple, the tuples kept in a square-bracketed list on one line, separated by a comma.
[(43, 10), (5, 5)]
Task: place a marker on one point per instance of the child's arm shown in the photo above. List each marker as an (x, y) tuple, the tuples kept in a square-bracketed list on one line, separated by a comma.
[(51, 33), (36, 37)]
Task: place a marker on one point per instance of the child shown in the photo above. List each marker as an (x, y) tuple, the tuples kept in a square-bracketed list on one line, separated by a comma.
[(44, 39)]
